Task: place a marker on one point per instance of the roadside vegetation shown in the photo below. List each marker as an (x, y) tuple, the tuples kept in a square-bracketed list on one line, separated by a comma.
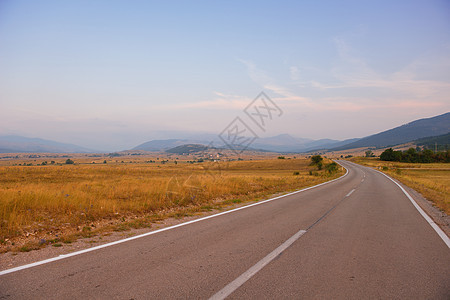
[(416, 156), (60, 202), (432, 180)]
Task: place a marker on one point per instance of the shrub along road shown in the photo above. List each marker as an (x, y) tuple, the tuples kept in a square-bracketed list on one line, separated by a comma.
[(356, 237)]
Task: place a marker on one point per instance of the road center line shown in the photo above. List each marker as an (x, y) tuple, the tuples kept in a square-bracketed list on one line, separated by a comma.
[(350, 193), (235, 284)]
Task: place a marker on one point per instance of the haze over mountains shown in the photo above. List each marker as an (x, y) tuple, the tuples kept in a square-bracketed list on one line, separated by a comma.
[(279, 143), (428, 127), (20, 144)]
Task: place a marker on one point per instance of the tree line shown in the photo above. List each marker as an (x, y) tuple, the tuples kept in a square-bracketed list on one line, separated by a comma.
[(415, 156)]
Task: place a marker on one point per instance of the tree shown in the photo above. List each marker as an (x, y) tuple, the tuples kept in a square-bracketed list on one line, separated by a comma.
[(427, 156), (69, 162), (391, 155), (410, 155), (316, 160), (369, 153), (332, 167)]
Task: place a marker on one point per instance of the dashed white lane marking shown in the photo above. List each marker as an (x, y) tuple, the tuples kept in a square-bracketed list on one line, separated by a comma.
[(235, 284), (238, 282), (349, 193), (46, 261)]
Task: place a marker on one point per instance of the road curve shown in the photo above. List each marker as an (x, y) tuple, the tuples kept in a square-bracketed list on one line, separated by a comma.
[(357, 237)]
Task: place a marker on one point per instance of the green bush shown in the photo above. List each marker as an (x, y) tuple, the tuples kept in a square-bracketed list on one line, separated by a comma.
[(316, 160), (332, 167)]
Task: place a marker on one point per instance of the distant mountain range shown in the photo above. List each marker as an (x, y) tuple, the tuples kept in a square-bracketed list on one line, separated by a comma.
[(288, 143), (20, 144), (279, 143), (403, 134), (284, 143), (163, 145)]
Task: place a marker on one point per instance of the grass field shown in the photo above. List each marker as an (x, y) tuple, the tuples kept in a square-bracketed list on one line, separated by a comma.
[(68, 201), (431, 180)]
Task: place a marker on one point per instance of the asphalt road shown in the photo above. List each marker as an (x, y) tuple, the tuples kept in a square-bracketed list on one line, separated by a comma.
[(358, 237)]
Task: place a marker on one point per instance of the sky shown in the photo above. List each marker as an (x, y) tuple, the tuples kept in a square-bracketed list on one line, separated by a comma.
[(110, 75)]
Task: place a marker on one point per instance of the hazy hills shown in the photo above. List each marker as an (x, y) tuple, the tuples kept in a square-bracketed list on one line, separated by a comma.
[(412, 131), (162, 145), (18, 144), (288, 143), (279, 143), (406, 133), (422, 128)]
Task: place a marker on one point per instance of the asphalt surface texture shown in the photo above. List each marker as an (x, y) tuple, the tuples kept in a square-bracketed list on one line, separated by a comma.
[(358, 237)]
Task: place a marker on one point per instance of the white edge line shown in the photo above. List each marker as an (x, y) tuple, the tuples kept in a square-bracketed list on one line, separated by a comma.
[(235, 284), (430, 221), (63, 256)]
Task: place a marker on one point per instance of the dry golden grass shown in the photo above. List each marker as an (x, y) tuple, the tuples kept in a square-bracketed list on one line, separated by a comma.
[(431, 180), (57, 199)]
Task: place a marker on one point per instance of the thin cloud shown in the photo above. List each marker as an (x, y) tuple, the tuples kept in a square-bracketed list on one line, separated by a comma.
[(351, 74), (355, 73), (221, 101)]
